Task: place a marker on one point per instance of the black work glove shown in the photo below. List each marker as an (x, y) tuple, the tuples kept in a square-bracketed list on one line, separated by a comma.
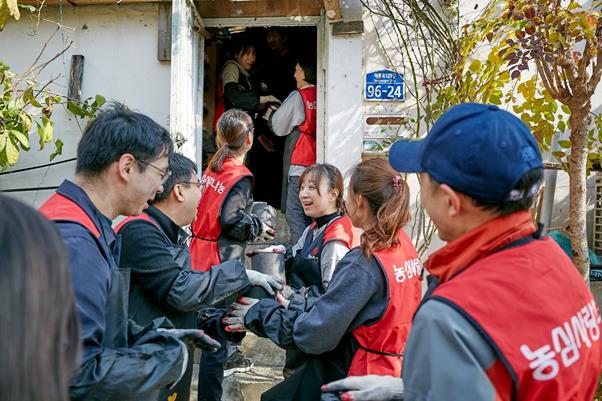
[(196, 338)]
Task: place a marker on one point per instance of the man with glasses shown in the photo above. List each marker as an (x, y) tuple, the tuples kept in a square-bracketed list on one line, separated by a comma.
[(154, 249), (122, 162)]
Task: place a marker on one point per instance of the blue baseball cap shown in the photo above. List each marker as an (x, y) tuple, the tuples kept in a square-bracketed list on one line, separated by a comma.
[(477, 149)]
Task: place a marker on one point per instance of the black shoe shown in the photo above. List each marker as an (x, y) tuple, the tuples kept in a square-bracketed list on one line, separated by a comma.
[(237, 363)]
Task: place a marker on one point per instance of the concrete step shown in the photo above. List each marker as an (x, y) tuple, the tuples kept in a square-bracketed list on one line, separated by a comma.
[(268, 362)]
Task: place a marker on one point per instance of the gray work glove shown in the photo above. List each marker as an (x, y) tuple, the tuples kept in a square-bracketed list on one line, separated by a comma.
[(235, 321), (267, 233), (267, 282), (268, 99), (194, 337), (367, 388)]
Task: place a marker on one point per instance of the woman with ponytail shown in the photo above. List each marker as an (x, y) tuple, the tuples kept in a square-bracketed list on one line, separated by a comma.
[(359, 326), (223, 227)]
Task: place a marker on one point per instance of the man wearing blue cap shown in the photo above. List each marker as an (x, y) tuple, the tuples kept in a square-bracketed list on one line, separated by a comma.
[(507, 316)]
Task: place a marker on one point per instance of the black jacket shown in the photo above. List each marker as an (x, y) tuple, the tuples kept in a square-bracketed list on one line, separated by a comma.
[(162, 283)]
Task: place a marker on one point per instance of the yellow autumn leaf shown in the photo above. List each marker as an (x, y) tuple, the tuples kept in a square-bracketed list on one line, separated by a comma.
[(4, 13), (14, 9)]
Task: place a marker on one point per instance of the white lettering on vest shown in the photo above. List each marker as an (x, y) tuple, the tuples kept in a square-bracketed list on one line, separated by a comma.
[(411, 268), (210, 182), (583, 328)]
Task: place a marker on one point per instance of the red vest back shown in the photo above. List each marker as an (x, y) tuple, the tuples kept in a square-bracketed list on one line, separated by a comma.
[(141, 216), (383, 343), (549, 338), (204, 250), (61, 208), (304, 153)]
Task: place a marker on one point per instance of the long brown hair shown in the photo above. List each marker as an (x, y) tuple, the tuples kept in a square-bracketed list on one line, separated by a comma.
[(317, 171), (232, 129), (388, 197), (40, 347)]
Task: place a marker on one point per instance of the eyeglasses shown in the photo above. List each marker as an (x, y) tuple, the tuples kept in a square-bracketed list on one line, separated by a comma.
[(165, 174), (197, 183)]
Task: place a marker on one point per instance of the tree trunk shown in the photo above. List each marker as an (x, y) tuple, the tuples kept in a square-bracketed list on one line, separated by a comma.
[(579, 123)]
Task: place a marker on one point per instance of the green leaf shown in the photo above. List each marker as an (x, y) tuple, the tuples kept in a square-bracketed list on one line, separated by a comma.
[(28, 96), (561, 126), (45, 131), (12, 152), (22, 138), (3, 137), (59, 149), (559, 154), (74, 108), (28, 7), (566, 109), (564, 143), (4, 13), (99, 100)]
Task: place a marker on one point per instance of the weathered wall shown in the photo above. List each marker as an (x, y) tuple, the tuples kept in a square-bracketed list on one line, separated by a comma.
[(119, 44)]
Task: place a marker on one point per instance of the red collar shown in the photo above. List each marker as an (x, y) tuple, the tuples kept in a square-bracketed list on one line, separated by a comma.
[(478, 243)]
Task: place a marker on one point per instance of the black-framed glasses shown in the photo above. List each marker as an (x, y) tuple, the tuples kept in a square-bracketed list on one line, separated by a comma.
[(165, 174), (197, 183)]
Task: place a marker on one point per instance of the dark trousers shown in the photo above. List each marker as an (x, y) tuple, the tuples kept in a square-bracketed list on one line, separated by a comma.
[(211, 373)]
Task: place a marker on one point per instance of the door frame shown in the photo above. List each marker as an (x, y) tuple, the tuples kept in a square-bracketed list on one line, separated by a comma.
[(321, 59)]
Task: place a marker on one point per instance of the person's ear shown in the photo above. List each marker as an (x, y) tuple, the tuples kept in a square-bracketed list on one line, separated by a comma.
[(249, 140), (334, 194), (178, 192), (126, 165), (454, 200)]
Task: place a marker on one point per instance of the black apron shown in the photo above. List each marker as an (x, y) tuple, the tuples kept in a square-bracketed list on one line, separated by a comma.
[(147, 310), (305, 269)]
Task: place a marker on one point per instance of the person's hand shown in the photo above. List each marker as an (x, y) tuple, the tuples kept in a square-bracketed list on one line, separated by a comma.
[(268, 99), (235, 321), (267, 282), (267, 143), (267, 233), (281, 249), (197, 338), (367, 388), (272, 108)]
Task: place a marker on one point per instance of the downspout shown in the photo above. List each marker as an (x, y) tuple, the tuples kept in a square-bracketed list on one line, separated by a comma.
[(550, 177)]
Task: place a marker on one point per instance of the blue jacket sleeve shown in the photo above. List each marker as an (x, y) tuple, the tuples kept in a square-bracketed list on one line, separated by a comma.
[(356, 295), (154, 360)]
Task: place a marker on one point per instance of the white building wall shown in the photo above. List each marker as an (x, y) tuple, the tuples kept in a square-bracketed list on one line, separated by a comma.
[(119, 44)]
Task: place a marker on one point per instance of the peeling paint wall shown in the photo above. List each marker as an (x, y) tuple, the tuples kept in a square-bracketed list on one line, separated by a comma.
[(119, 44)]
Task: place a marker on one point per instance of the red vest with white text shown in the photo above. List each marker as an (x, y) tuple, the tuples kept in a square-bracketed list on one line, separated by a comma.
[(206, 229), (304, 153), (548, 339), (381, 344)]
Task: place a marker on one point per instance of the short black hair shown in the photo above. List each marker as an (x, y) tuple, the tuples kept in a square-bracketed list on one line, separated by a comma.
[(242, 44), (115, 131), (181, 169), (528, 185), (308, 64)]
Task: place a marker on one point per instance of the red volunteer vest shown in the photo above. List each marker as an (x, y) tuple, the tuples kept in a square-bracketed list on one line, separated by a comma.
[(141, 216), (304, 153), (61, 208), (341, 229), (549, 338), (204, 250), (382, 344)]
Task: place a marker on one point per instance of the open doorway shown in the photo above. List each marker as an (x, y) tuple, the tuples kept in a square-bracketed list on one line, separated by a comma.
[(272, 74)]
